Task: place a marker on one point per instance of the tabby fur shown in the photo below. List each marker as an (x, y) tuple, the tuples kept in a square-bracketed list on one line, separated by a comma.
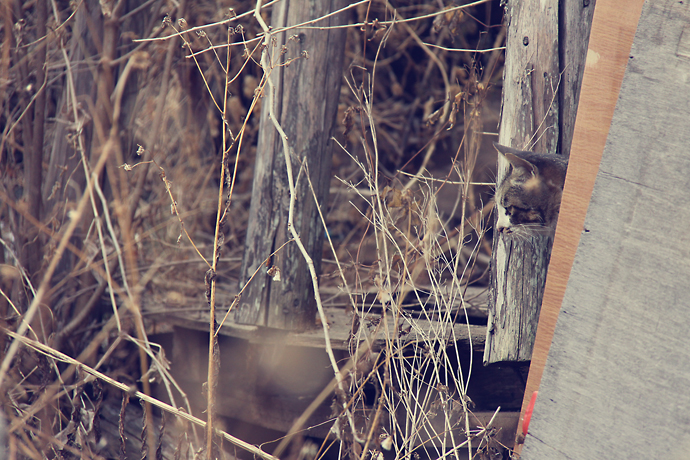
[(529, 197)]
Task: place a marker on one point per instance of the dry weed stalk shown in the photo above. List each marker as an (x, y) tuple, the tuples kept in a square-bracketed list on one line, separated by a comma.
[(408, 247), (405, 248)]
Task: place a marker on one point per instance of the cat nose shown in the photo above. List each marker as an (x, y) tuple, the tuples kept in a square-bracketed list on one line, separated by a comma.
[(504, 230)]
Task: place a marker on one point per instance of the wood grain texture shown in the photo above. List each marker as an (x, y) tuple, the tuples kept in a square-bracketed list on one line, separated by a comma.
[(269, 381), (575, 25), (608, 56), (608, 48), (340, 327), (306, 103), (619, 363), (529, 121)]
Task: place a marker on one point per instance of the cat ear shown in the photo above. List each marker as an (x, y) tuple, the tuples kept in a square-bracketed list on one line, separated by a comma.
[(521, 164), (512, 155)]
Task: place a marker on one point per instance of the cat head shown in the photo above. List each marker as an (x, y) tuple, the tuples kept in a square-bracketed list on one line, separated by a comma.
[(529, 197)]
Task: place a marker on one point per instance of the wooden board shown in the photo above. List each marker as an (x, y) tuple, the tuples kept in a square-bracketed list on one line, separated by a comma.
[(616, 379), (340, 325), (270, 376), (305, 100), (606, 62), (415, 325), (272, 384)]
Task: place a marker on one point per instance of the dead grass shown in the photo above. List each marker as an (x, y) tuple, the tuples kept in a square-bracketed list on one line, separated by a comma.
[(136, 173)]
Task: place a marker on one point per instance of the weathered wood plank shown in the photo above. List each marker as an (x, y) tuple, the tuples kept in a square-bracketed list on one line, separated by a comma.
[(619, 363), (307, 93), (265, 384), (340, 325), (529, 121), (608, 55), (271, 384), (574, 29), (542, 122), (339, 322)]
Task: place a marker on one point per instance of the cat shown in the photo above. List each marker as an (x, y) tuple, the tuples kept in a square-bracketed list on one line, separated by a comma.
[(529, 197)]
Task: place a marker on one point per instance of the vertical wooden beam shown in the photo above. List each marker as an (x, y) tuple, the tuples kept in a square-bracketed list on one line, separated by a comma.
[(546, 49), (613, 29), (574, 26), (307, 93), (529, 121)]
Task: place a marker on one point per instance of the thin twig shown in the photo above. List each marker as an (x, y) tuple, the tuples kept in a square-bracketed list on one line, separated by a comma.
[(213, 358), (359, 25)]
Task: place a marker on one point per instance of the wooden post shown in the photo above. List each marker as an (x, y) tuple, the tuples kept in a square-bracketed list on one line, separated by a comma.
[(575, 26), (541, 85), (306, 102)]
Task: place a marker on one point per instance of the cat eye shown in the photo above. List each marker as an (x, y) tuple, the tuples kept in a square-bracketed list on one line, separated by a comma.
[(510, 210)]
